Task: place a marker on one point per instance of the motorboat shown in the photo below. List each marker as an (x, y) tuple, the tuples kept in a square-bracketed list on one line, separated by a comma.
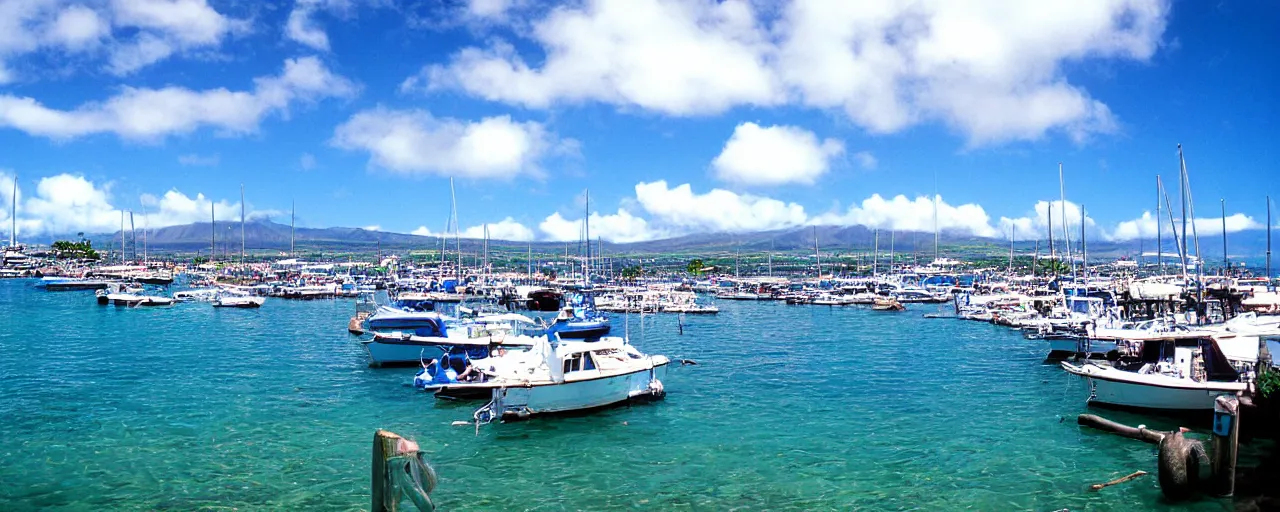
[(413, 346), (580, 320), (231, 300), (197, 295), (1175, 373), (575, 375), (887, 304)]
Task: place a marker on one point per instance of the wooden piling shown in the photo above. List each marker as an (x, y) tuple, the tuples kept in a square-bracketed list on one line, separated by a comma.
[(1226, 438), (1139, 433), (391, 478)]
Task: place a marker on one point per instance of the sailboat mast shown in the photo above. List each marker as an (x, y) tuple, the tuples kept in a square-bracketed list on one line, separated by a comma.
[(242, 223), (293, 217), (486, 248), (817, 255), (133, 235), (1012, 231), (1066, 235), (1182, 192), (121, 237), (1053, 253), (1268, 242), (1084, 250), (1159, 227), (892, 234), (936, 236), (145, 223), (875, 258), (457, 235), (1226, 262), (213, 232), (13, 216), (586, 227)]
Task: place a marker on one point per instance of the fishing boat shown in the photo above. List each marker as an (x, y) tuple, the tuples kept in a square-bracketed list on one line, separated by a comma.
[(1180, 373), (576, 376)]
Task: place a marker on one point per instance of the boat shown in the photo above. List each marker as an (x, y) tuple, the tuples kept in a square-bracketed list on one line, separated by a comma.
[(104, 296), (887, 304), (1183, 373), (197, 295), (412, 347), (580, 320), (232, 300), (575, 376), (56, 284), (137, 300)]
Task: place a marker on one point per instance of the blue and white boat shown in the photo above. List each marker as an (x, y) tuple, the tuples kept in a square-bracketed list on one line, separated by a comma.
[(479, 335), (580, 320)]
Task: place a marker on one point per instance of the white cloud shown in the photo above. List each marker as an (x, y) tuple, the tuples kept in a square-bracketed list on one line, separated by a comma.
[(77, 27), (620, 227), (506, 229), (195, 160), (174, 208), (302, 29), (1037, 225), (307, 161), (494, 9), (374, 227), (1145, 226), (904, 214), (990, 69), (717, 210), (865, 160), (414, 142), (165, 27), (152, 114), (680, 58), (774, 155)]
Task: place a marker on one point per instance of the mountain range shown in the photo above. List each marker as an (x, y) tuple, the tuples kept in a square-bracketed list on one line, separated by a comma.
[(262, 235)]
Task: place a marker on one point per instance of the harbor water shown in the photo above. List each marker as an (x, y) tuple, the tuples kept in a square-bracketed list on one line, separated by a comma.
[(787, 408)]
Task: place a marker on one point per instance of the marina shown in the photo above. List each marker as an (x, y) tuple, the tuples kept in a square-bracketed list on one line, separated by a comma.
[(668, 255)]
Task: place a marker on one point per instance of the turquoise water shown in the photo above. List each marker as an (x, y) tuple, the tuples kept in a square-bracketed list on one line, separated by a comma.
[(790, 408)]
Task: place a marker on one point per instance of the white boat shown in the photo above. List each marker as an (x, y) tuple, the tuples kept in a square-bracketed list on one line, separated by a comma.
[(136, 300), (574, 376), (409, 347), (197, 295), (231, 300), (1180, 373)]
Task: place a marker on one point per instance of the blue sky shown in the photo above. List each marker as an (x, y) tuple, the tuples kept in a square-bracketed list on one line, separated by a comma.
[(680, 117)]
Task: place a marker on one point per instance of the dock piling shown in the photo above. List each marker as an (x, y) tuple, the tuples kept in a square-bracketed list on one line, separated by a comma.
[(1226, 436), (399, 472)]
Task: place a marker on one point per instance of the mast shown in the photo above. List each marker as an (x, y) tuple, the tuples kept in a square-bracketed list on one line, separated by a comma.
[(875, 258), (1191, 213), (529, 259), (457, 235), (1182, 256), (121, 237), (892, 233), (293, 214), (817, 255), (13, 216), (1182, 192), (486, 248), (936, 254), (1268, 242), (1066, 235), (133, 235), (586, 227), (242, 223), (1159, 228), (1226, 262), (1012, 231), (1053, 253), (1084, 250), (213, 232), (1035, 258), (145, 223)]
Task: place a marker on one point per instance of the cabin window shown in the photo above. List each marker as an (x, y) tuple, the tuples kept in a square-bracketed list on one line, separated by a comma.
[(573, 364), (588, 362)]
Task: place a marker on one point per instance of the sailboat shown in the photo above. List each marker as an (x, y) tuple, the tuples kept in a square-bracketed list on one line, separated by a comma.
[(580, 319)]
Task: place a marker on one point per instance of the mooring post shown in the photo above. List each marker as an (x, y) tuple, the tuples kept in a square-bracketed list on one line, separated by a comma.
[(1226, 437), (398, 472)]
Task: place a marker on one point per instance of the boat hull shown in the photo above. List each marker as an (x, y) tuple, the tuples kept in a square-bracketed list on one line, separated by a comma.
[(523, 402), (1120, 389)]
